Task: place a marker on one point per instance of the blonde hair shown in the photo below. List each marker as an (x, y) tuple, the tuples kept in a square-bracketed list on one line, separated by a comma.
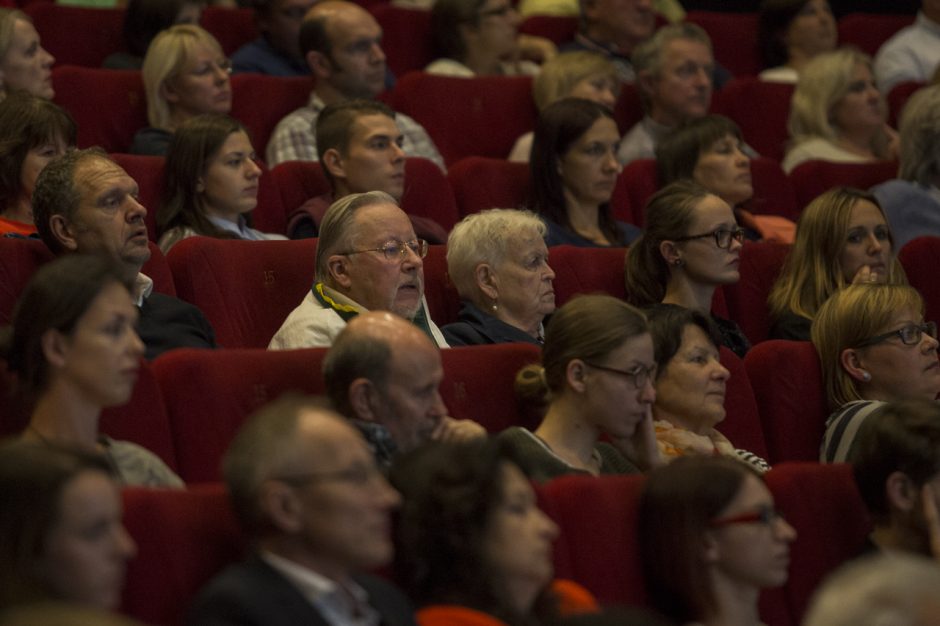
[(165, 59), (8, 19), (920, 137), (560, 74), (812, 271), (847, 319)]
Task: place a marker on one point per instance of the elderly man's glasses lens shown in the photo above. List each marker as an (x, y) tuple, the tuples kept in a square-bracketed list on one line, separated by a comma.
[(910, 335), (639, 374), (397, 250), (723, 237)]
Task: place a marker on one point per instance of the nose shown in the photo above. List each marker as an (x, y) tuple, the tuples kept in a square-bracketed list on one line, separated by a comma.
[(609, 98), (930, 343), (721, 372), (48, 59), (135, 210), (438, 408), (549, 272), (611, 163), (126, 547), (398, 152), (389, 498), (376, 54), (741, 158), (783, 530), (549, 527), (874, 244), (648, 392), (253, 170)]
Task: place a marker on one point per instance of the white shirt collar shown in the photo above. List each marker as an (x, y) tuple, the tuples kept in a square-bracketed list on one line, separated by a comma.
[(143, 287)]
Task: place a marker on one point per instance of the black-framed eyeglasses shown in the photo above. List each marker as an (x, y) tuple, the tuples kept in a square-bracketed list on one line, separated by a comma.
[(500, 12), (395, 250), (722, 236), (356, 475), (765, 514), (910, 334), (639, 374)]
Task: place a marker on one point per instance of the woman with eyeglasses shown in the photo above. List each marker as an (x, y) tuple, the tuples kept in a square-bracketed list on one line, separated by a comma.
[(710, 540), (185, 74), (690, 386), (874, 347), (210, 183), (690, 247), (596, 378), (843, 237)]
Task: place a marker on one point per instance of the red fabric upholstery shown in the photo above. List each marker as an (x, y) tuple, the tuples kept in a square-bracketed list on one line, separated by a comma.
[(867, 31), (183, 539), (822, 503), (559, 29), (232, 27), (246, 289), (298, 181), (406, 37), (148, 172), (637, 182), (587, 270), (468, 116), (478, 384), (158, 270), (734, 39), (442, 297), (787, 381), (812, 178), (742, 424), (109, 106), (761, 109), (747, 300), (628, 110), (76, 35), (598, 544), (921, 258), (898, 97), (481, 183), (210, 393), (281, 95)]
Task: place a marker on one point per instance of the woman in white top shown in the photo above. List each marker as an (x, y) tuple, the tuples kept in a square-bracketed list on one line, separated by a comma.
[(791, 33)]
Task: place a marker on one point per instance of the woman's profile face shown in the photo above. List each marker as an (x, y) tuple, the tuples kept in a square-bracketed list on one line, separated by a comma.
[(725, 170), (87, 548), (230, 185), (203, 84), (867, 244), (615, 402), (702, 260), (599, 88), (518, 537), (813, 30), (101, 357), (35, 161), (589, 168), (861, 109), (27, 65), (524, 283), (690, 389), (749, 543)]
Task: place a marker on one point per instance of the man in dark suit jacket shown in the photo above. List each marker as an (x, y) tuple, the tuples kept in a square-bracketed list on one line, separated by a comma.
[(310, 494), (85, 202)]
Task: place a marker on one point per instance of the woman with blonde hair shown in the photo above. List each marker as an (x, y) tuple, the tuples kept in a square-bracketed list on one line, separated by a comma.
[(596, 378), (837, 113), (843, 237), (874, 347), (185, 74), (24, 63)]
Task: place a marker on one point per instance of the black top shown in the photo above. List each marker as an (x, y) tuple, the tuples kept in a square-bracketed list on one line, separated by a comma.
[(167, 322), (791, 326), (474, 327), (732, 337)]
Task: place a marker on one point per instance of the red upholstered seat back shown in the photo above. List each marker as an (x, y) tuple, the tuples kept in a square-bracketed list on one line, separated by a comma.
[(246, 289), (78, 35), (812, 178), (278, 95), (481, 183), (147, 171), (898, 97), (587, 270), (747, 300), (921, 258), (559, 29), (109, 106), (773, 192), (761, 109), (742, 425), (867, 31), (298, 181), (637, 182), (734, 39), (406, 37), (439, 291), (232, 27)]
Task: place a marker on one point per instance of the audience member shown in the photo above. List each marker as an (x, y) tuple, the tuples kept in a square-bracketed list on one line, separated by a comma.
[(33, 131), (596, 378), (84, 202), (61, 537), (210, 183), (874, 347), (710, 540), (277, 51), (842, 238), (581, 74), (383, 374), (59, 613), (837, 113), (896, 462), (368, 259), (143, 19), (674, 78), (74, 351), (614, 28), (318, 511), (341, 43), (574, 170), (913, 53), (886, 589), (24, 63), (185, 74), (912, 200), (791, 33), (691, 246), (472, 545), (498, 261), (690, 386)]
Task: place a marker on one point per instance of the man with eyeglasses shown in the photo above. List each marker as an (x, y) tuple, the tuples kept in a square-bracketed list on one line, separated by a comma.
[(368, 259), (277, 51), (318, 511)]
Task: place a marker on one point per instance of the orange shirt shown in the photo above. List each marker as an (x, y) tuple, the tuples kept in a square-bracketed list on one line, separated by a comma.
[(16, 228)]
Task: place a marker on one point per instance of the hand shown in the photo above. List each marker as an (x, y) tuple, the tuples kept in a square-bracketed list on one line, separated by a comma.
[(866, 275), (457, 431), (641, 448), (537, 49), (894, 143), (932, 519)]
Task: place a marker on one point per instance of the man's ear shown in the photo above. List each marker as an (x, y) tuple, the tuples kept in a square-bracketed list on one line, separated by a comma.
[(63, 231), (487, 281), (362, 398), (338, 268), (281, 506), (319, 64), (333, 161), (900, 492)]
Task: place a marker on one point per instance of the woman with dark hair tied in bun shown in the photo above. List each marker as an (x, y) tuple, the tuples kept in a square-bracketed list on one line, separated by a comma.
[(597, 375), (472, 546)]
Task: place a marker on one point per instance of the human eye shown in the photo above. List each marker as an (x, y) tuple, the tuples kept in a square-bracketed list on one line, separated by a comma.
[(380, 143), (882, 233), (392, 249), (855, 236), (596, 149)]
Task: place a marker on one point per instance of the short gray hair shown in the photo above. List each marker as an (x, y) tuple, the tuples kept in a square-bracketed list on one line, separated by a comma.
[(920, 137), (485, 237), (648, 56), (336, 231)]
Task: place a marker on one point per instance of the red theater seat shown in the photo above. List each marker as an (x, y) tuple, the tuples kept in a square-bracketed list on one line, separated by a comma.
[(439, 291), (761, 109), (867, 31), (587, 270), (406, 37), (812, 178), (232, 27), (921, 258), (148, 172), (280, 96), (742, 425), (747, 300), (559, 29), (481, 183), (734, 39), (898, 97), (78, 35)]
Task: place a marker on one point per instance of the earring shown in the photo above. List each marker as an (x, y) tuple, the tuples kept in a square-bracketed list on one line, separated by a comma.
[(866, 376), (494, 306), (677, 262)]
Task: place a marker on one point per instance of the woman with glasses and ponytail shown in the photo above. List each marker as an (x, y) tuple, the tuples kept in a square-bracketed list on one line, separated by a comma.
[(874, 347), (691, 246)]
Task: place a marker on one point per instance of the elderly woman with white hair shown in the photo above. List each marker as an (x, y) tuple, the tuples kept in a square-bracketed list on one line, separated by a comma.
[(837, 113), (185, 74), (498, 262)]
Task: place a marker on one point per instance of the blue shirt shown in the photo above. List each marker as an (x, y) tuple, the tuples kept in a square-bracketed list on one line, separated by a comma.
[(260, 57)]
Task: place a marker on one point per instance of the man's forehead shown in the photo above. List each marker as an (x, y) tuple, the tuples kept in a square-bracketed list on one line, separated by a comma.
[(328, 438), (370, 124), (680, 50), (96, 175), (348, 23), (382, 222)]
